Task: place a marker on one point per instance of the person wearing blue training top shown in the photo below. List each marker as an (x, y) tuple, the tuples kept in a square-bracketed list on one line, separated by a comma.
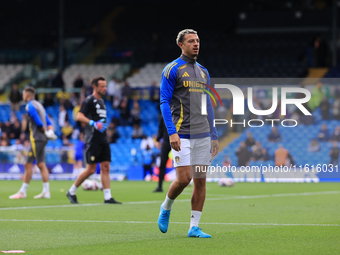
[(41, 130), (193, 137)]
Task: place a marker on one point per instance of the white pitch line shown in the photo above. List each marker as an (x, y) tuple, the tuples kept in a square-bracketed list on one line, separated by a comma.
[(47, 206), (149, 222), (208, 194), (180, 200)]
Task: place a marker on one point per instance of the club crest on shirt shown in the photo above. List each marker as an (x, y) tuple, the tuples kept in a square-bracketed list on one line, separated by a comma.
[(202, 74), (97, 106)]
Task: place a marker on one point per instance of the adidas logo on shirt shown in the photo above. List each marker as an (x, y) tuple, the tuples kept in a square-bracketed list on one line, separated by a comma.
[(185, 75)]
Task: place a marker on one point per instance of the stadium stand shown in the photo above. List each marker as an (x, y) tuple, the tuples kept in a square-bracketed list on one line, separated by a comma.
[(88, 71), (121, 151), (296, 140), (8, 72), (148, 74), (26, 31), (267, 55)]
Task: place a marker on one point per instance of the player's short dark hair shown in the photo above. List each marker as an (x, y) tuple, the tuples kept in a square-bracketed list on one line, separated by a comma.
[(95, 80), (184, 32), (30, 90)]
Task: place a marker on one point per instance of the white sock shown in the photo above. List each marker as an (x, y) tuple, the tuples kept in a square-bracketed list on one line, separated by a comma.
[(195, 218), (46, 187), (107, 194), (73, 190), (24, 187), (167, 204)]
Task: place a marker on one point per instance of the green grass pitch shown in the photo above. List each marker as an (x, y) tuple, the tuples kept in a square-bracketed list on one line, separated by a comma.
[(249, 218)]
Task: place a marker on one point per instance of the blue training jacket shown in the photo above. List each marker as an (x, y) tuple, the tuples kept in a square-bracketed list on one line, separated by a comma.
[(182, 85)]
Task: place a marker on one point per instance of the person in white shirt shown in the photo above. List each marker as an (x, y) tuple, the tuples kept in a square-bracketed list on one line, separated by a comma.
[(62, 117)]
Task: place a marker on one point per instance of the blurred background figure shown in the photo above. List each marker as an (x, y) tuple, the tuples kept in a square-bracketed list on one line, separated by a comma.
[(336, 108), (126, 90), (243, 155), (281, 156), (226, 161), (67, 130), (334, 154), (137, 131), (314, 146), (336, 134), (58, 81), (148, 161), (124, 112), (112, 89), (250, 141), (48, 100), (62, 116), (162, 143), (256, 151), (112, 133), (325, 106), (323, 135), (135, 113), (78, 82), (63, 96), (153, 92), (274, 136), (317, 95), (15, 97), (15, 130), (79, 156)]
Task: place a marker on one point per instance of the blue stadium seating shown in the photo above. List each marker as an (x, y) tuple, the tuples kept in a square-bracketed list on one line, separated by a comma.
[(120, 152)]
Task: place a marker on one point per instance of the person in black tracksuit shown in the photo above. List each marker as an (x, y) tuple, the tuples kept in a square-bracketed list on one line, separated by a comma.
[(162, 134), (97, 147)]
